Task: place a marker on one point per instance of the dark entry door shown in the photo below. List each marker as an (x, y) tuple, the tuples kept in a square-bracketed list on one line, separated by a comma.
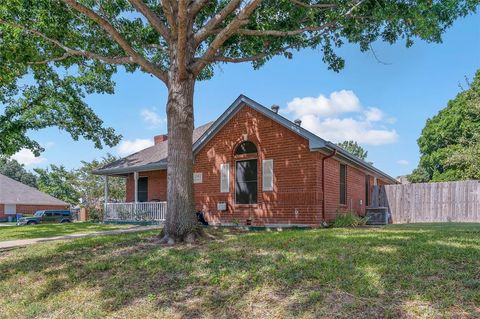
[(142, 194)]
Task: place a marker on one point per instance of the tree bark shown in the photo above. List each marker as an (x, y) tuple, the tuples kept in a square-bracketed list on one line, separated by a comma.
[(181, 222)]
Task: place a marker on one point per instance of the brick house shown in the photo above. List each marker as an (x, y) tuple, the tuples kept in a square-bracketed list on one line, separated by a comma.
[(18, 198), (254, 164)]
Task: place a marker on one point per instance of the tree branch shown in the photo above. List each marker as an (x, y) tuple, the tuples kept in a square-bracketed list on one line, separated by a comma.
[(314, 6), (349, 12), (168, 10), (152, 18), (182, 38), (107, 27), (227, 32), (277, 33), (207, 29), (69, 52), (196, 6), (220, 58)]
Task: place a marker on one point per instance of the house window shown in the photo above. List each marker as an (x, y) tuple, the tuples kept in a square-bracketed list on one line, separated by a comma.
[(246, 182), (367, 190), (246, 147), (142, 189), (343, 184)]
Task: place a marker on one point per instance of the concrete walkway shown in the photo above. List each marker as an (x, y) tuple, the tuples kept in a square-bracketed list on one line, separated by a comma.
[(9, 244)]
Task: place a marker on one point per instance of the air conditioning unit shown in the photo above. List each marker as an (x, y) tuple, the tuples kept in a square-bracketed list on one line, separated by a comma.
[(378, 216), (221, 206)]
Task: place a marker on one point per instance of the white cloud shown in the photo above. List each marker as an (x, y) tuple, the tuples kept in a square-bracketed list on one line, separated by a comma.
[(372, 114), (128, 147), (402, 162), (339, 102), (151, 117), (339, 130), (341, 117), (26, 157)]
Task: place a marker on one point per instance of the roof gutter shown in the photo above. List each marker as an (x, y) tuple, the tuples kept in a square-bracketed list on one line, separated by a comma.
[(355, 160), (323, 182)]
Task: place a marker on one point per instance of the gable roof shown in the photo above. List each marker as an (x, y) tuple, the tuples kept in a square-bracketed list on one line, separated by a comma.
[(143, 160), (151, 158), (13, 192)]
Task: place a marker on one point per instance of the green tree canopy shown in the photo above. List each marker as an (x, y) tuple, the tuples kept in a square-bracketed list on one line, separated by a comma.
[(449, 143), (17, 171), (91, 187), (53, 53), (58, 182), (353, 148)]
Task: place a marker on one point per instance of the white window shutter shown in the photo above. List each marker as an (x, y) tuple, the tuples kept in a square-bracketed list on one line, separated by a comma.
[(267, 173), (224, 178)]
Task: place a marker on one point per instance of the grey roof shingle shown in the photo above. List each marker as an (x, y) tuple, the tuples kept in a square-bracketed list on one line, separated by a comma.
[(153, 157), (13, 192)]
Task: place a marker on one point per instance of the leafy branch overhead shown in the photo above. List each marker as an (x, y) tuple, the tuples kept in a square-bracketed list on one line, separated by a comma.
[(55, 52)]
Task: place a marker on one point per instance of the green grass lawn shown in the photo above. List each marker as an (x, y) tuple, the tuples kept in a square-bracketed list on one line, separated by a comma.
[(51, 230), (413, 271)]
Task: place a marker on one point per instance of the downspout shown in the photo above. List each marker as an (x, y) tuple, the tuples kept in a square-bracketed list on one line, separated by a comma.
[(323, 182)]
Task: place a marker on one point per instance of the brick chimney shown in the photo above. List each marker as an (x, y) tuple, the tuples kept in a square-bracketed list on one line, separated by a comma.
[(159, 139)]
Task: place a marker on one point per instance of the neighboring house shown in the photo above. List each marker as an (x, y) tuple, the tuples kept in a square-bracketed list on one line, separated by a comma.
[(18, 198), (403, 179), (252, 163)]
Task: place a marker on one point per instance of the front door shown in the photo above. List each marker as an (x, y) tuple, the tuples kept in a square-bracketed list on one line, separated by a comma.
[(142, 194)]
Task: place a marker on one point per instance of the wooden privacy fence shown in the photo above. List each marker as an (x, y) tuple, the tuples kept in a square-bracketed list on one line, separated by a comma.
[(430, 202)]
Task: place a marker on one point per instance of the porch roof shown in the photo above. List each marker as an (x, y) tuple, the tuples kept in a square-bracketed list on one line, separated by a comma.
[(151, 158)]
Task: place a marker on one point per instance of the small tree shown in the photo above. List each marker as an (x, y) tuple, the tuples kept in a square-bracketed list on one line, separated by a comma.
[(353, 148), (91, 187), (58, 182), (72, 48)]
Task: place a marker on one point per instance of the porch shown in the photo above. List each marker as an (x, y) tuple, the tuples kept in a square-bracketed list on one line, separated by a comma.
[(141, 210), (150, 212)]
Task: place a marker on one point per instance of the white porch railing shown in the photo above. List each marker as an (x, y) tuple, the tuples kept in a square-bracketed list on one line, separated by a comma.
[(136, 212)]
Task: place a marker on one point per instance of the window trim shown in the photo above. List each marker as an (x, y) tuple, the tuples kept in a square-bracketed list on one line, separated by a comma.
[(247, 153), (270, 187), (235, 184), (368, 195), (344, 182), (223, 190)]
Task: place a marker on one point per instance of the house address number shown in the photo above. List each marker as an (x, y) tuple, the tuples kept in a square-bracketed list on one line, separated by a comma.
[(197, 178)]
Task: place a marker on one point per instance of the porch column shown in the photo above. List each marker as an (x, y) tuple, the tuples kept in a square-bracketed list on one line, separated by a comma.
[(135, 178), (105, 191)]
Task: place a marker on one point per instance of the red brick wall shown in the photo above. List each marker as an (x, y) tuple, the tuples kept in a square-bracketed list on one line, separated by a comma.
[(295, 173), (30, 209), (157, 185), (297, 194)]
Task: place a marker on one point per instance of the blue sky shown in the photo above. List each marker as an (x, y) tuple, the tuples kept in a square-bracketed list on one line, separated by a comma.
[(383, 105)]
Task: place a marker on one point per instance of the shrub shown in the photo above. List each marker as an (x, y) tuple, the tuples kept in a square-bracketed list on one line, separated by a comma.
[(349, 219), (95, 214)]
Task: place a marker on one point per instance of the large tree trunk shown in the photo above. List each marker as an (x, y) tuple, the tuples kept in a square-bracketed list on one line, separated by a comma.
[(181, 224)]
